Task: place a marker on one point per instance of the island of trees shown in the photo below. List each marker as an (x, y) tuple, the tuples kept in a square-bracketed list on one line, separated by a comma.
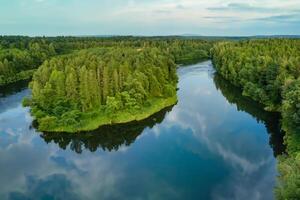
[(268, 71)]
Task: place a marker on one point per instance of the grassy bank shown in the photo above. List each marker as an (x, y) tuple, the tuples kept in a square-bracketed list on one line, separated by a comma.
[(93, 120)]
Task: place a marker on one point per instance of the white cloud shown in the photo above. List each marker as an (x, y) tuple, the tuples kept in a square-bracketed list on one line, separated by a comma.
[(213, 17)]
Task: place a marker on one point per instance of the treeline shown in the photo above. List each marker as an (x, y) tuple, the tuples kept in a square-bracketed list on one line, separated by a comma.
[(103, 84), (189, 51), (268, 71), (19, 60), (20, 56), (183, 50)]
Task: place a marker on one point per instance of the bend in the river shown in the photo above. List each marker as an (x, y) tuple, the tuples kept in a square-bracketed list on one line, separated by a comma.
[(214, 144)]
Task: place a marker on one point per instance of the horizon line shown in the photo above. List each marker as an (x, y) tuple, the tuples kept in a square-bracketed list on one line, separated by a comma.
[(145, 35)]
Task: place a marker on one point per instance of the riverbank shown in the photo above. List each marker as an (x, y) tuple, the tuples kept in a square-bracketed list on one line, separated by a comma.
[(21, 76), (93, 120)]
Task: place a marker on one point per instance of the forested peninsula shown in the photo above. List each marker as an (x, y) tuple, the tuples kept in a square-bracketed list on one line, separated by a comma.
[(81, 83), (90, 88), (268, 71)]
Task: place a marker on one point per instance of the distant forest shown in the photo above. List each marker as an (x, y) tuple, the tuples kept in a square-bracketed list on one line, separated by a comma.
[(21, 56)]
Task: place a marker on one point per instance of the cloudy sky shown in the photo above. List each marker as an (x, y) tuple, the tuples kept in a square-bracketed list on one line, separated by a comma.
[(149, 17)]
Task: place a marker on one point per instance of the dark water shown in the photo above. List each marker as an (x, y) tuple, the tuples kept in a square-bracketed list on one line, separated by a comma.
[(214, 144)]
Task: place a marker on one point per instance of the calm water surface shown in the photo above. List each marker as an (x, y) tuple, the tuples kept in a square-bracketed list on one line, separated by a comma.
[(214, 144)]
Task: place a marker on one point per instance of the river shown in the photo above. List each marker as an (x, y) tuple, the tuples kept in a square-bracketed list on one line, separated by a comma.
[(214, 144)]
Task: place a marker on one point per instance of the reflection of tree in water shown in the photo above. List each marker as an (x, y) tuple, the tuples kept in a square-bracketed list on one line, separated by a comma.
[(13, 88), (270, 119), (108, 137)]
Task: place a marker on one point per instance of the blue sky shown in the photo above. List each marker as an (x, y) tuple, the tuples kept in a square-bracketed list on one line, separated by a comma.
[(149, 17)]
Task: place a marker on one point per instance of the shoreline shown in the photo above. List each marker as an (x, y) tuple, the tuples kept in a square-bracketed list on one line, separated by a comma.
[(94, 122)]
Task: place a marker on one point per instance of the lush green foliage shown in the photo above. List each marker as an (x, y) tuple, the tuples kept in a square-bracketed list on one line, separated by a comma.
[(190, 51), (183, 50), (83, 90), (19, 63), (289, 179), (263, 68), (269, 71)]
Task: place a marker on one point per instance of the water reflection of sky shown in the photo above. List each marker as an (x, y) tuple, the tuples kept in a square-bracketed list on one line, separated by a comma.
[(203, 149)]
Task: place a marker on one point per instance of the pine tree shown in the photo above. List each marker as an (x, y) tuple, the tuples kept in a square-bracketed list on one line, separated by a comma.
[(57, 80), (115, 80), (105, 86), (83, 89), (72, 85), (94, 89)]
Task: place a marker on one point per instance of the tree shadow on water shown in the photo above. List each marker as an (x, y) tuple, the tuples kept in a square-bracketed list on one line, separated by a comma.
[(107, 137), (271, 120)]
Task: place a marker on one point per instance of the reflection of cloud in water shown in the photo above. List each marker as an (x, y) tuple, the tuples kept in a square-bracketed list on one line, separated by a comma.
[(238, 147), (55, 174), (13, 101), (213, 140), (254, 186), (55, 186)]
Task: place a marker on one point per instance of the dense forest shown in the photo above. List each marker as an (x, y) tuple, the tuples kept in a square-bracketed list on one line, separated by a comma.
[(21, 56), (19, 60), (268, 71), (89, 88)]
